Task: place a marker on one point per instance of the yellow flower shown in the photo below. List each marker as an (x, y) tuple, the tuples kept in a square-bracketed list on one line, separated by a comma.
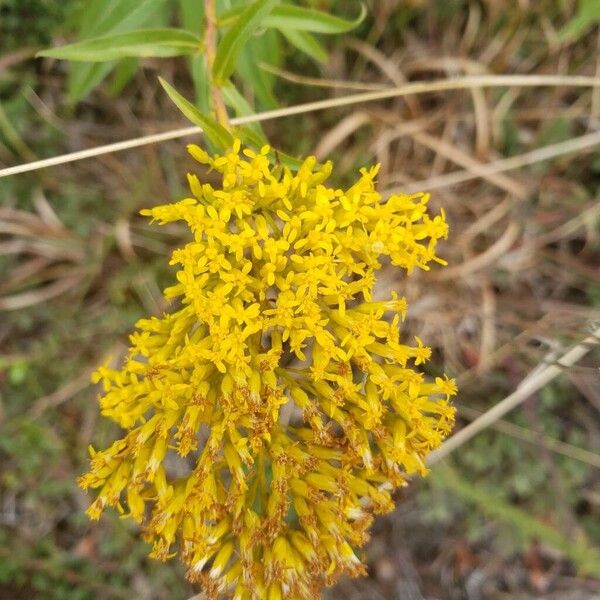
[(278, 390)]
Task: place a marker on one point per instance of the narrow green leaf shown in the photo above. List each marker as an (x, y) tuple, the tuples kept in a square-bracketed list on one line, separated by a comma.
[(234, 99), (260, 50), (144, 42), (111, 16), (288, 16), (305, 42), (101, 17), (588, 14), (200, 78), (277, 156), (84, 77), (308, 19), (229, 17), (249, 137), (229, 48), (124, 72), (192, 14), (242, 107), (192, 19), (215, 132)]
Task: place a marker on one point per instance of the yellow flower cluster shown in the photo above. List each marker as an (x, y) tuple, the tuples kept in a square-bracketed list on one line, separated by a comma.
[(274, 410)]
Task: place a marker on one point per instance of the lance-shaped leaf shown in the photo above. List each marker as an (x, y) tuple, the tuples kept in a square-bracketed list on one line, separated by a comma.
[(288, 16), (305, 42), (215, 132), (242, 108), (588, 13), (144, 42), (103, 17), (192, 14), (249, 20), (258, 50)]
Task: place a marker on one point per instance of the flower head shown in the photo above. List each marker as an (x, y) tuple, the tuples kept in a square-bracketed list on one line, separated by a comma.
[(274, 410)]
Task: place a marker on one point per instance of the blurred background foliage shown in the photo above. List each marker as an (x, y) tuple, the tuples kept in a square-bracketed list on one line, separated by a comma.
[(514, 513)]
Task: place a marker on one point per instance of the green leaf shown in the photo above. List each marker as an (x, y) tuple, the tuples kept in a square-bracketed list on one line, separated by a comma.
[(144, 42), (288, 16), (249, 137), (84, 77), (101, 17), (242, 108), (98, 16), (192, 14), (263, 49), (124, 72), (305, 42), (200, 78), (215, 132), (250, 19), (588, 13), (234, 99), (192, 19), (277, 156), (104, 16)]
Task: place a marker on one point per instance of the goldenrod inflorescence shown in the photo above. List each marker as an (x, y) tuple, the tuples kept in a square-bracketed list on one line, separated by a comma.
[(274, 410)]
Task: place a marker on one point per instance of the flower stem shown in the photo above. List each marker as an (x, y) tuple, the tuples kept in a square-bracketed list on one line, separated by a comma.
[(210, 46)]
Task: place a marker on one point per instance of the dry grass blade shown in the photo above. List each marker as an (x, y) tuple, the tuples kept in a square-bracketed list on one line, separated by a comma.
[(421, 87), (335, 136), (583, 143), (493, 253), (456, 155), (540, 377), (52, 290), (52, 258), (320, 82)]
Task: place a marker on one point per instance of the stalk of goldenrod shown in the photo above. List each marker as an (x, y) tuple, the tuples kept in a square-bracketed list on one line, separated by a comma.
[(273, 307)]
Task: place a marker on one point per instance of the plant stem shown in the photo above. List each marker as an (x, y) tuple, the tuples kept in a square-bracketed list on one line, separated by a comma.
[(210, 46)]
